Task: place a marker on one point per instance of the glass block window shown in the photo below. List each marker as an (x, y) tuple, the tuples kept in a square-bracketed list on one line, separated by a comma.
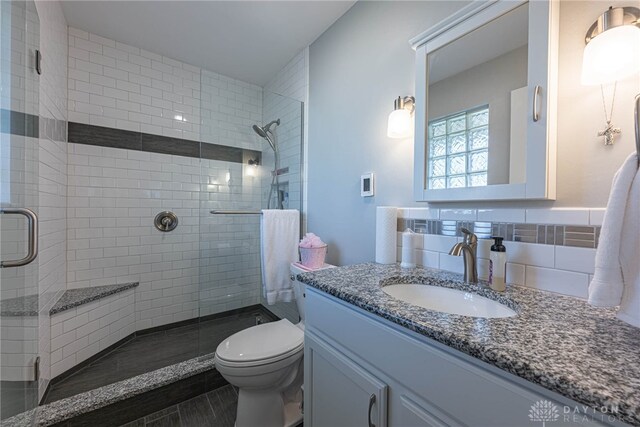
[(459, 149)]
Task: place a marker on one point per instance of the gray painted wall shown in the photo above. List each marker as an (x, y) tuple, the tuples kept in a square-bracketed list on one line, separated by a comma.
[(357, 68), (362, 62)]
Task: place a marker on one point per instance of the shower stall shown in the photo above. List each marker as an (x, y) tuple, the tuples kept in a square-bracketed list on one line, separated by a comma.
[(197, 283)]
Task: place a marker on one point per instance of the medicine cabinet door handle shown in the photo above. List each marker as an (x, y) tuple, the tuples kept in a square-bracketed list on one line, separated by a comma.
[(372, 401), (637, 120), (33, 236), (536, 107)]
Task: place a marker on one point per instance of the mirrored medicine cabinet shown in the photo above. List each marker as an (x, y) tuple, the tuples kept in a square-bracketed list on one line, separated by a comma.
[(485, 103)]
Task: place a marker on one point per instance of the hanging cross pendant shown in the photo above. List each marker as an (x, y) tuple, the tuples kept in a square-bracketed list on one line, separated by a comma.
[(609, 133)]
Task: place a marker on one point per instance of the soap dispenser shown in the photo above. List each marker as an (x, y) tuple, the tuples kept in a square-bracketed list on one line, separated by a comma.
[(498, 265)]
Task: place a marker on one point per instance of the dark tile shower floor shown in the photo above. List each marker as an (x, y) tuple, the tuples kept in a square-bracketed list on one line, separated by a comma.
[(147, 352)]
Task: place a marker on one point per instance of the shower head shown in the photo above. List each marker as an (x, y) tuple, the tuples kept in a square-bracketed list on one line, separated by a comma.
[(260, 131), (265, 132)]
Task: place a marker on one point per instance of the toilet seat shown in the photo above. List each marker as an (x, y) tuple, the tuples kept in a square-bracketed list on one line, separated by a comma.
[(261, 344)]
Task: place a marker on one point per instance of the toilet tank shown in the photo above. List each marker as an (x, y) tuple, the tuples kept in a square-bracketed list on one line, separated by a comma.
[(299, 288)]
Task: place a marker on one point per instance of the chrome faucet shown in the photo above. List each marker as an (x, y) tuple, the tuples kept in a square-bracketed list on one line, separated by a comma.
[(468, 248)]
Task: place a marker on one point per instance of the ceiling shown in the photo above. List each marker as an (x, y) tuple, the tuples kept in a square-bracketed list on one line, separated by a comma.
[(247, 40)]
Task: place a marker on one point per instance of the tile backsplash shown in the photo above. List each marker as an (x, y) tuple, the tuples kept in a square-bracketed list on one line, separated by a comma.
[(548, 249)]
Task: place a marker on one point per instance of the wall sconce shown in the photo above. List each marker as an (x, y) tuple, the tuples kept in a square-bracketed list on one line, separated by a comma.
[(252, 169), (612, 53), (400, 123)]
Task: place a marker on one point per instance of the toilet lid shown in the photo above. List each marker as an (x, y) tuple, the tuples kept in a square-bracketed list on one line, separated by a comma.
[(266, 341)]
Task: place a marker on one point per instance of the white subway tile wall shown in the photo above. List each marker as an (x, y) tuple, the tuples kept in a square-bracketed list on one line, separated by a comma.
[(230, 108), (52, 174), (83, 331), (114, 195), (120, 86), (560, 269), (19, 347)]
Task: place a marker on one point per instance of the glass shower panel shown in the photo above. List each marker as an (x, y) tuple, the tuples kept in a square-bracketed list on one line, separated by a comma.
[(289, 136), (237, 167), (19, 305), (229, 244)]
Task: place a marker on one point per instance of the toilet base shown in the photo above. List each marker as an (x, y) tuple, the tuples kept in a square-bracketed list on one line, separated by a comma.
[(266, 409)]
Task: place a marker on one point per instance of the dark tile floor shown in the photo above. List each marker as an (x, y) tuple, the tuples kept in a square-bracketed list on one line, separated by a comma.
[(214, 409), (151, 351)]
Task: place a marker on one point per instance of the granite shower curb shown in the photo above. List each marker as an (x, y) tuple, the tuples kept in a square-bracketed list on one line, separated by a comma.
[(83, 403)]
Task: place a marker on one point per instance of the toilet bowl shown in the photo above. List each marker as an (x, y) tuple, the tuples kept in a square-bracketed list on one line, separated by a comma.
[(265, 363)]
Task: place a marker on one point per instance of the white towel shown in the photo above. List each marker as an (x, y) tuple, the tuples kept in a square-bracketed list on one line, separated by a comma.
[(280, 232), (630, 258), (620, 218)]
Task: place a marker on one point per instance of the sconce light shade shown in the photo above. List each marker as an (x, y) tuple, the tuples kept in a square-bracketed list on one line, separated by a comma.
[(252, 167), (613, 47), (400, 123), (612, 55)]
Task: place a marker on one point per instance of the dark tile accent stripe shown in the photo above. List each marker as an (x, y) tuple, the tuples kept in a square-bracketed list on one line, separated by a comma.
[(546, 234), (80, 133), (221, 152), (21, 124), (167, 145)]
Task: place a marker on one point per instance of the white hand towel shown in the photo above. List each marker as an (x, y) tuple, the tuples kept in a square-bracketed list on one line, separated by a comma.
[(280, 232), (630, 258), (608, 284)]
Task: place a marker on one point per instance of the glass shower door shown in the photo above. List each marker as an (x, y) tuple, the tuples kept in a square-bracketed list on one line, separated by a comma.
[(19, 130)]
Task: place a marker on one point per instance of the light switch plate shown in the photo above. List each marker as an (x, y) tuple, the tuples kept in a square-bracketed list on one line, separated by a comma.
[(367, 185)]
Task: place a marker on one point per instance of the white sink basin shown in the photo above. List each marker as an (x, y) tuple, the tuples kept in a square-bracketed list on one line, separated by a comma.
[(448, 300)]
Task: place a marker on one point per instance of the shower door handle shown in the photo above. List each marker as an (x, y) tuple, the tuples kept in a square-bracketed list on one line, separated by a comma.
[(32, 252)]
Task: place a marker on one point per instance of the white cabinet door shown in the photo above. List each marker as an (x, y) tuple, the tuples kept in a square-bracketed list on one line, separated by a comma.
[(338, 391)]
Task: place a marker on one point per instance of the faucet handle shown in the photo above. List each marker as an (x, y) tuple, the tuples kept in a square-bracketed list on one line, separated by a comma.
[(469, 237)]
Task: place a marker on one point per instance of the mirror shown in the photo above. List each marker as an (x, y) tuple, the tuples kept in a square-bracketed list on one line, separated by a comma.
[(477, 106)]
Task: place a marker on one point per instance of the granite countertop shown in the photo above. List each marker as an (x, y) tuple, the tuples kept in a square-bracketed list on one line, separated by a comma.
[(558, 342), (65, 409)]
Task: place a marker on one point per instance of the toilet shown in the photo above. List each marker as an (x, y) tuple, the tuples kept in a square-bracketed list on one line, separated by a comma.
[(265, 363)]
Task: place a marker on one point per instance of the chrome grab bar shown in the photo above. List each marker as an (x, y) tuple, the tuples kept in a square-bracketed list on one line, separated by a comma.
[(231, 212), (32, 253)]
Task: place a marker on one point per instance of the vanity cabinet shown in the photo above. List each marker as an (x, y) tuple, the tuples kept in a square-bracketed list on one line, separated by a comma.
[(362, 370), (344, 393)]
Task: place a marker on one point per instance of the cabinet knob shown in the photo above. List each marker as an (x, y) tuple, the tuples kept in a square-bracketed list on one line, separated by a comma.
[(372, 401)]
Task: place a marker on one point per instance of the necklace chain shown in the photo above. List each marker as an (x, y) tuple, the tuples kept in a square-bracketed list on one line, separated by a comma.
[(613, 100)]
